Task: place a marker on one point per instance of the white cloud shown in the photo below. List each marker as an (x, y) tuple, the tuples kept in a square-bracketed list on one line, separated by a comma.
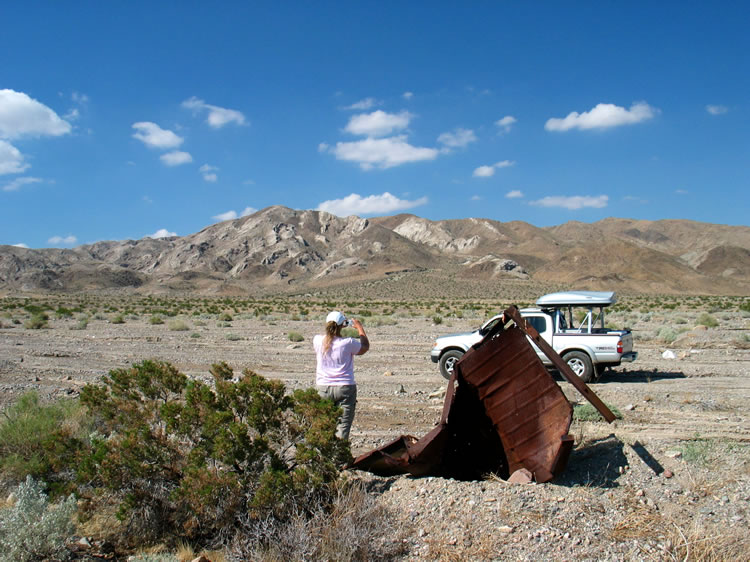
[(603, 116), (209, 173), (228, 216), (217, 116), (681, 191), (20, 245), (505, 123), (176, 158), (18, 183), (67, 240), (484, 172), (355, 204), (476, 198), (574, 202), (231, 215), (378, 123), (514, 194), (489, 171), (154, 136), (323, 147), (11, 159), (22, 116), (364, 104), (161, 233), (382, 153), (407, 95), (459, 138), (717, 109)]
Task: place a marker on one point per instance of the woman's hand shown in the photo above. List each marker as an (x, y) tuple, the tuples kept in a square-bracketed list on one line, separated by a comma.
[(362, 336)]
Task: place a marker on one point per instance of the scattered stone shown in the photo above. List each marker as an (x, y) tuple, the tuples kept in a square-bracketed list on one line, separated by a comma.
[(669, 354), (506, 529), (388, 374), (521, 476), (668, 473), (630, 407), (401, 389), (673, 454)]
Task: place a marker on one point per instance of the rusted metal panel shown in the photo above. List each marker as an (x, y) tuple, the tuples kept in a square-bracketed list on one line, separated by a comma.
[(503, 411)]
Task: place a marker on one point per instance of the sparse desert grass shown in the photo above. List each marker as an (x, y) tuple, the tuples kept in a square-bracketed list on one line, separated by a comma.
[(178, 326), (707, 320), (234, 337), (587, 412), (117, 319), (156, 319), (295, 337), (36, 322)]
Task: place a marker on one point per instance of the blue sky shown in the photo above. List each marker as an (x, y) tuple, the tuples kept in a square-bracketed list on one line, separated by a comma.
[(120, 120)]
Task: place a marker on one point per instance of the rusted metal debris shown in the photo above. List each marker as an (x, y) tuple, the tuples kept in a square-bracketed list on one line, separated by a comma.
[(503, 412)]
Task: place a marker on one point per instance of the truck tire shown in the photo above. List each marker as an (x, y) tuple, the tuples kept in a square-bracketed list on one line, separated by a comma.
[(448, 360), (580, 363)]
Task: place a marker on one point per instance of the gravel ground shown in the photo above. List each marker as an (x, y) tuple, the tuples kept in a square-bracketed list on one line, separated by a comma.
[(669, 480)]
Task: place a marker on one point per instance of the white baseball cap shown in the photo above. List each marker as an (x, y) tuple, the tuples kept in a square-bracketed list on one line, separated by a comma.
[(337, 317)]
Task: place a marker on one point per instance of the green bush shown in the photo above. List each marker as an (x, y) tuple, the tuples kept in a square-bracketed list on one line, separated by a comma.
[(156, 319), (31, 529), (707, 320), (296, 337), (117, 319), (225, 317), (188, 460), (40, 439), (36, 322), (437, 320)]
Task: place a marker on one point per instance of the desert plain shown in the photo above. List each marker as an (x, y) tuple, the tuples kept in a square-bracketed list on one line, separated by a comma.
[(668, 480)]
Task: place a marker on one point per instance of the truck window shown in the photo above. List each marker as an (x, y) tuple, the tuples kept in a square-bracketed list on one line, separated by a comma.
[(539, 323)]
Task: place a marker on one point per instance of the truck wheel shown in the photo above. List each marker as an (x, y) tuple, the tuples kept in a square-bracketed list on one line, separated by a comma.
[(448, 360), (580, 364)]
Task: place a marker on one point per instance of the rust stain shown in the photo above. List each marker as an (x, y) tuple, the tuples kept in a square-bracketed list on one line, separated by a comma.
[(503, 411)]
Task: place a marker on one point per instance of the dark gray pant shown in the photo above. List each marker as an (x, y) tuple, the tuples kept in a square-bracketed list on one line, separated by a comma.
[(345, 397)]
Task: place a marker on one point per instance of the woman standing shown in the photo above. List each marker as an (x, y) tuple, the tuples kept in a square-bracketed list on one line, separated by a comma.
[(334, 375)]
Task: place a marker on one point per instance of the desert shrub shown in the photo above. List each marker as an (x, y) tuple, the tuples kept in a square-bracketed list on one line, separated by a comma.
[(437, 320), (31, 529), (36, 322), (667, 334), (225, 317), (118, 319), (185, 460), (81, 324), (63, 312), (355, 527), (40, 439), (296, 337), (178, 326), (697, 450), (707, 320), (156, 319), (233, 337)]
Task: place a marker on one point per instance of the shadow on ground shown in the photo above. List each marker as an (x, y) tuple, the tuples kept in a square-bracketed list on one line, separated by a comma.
[(596, 464), (640, 376)]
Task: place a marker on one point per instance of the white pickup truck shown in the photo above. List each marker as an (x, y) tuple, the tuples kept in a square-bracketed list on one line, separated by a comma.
[(586, 344)]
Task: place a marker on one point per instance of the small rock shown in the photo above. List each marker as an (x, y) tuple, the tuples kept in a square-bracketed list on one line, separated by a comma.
[(668, 354), (401, 389), (506, 529), (640, 493), (673, 454), (668, 473), (521, 476), (630, 407), (421, 533), (388, 374)]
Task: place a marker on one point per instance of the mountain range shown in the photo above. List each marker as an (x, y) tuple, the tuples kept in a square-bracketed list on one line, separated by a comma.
[(278, 250)]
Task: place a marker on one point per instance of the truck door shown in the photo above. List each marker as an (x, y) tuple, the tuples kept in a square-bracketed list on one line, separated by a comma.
[(542, 324)]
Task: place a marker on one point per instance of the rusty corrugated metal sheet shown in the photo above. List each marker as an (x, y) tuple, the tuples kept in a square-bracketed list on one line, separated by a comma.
[(503, 411)]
